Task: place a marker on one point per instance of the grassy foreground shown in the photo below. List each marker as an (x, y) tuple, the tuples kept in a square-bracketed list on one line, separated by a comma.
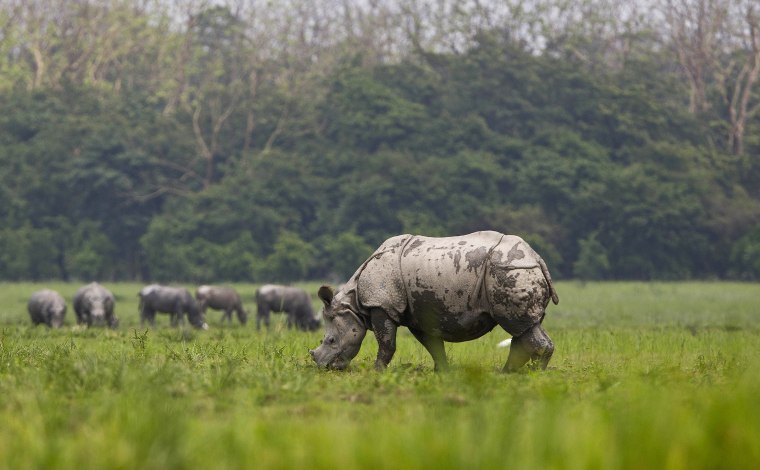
[(662, 375)]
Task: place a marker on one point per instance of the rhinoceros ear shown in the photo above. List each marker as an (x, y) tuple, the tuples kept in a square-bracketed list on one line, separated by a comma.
[(326, 294)]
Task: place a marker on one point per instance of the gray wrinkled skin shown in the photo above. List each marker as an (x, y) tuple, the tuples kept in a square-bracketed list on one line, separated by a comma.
[(48, 307), (221, 298), (295, 302), (443, 289), (94, 305), (176, 301)]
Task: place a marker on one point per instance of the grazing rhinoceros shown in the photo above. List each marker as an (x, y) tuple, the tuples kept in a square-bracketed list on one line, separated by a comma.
[(442, 289), (48, 307), (94, 304), (295, 302), (221, 298), (176, 301)]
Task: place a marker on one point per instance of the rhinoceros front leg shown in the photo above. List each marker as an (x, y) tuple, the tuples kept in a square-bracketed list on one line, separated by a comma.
[(385, 332), (149, 315), (533, 345), (80, 317), (262, 314), (434, 346)]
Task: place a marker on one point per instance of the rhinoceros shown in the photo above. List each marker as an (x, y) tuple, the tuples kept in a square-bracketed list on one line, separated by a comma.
[(295, 302), (221, 298), (48, 307), (94, 304), (442, 289), (176, 301)]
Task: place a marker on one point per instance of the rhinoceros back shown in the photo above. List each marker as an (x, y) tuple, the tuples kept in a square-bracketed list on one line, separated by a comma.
[(410, 273), (451, 270)]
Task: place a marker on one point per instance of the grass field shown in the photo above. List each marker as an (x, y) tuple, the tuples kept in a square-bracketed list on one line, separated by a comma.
[(661, 375)]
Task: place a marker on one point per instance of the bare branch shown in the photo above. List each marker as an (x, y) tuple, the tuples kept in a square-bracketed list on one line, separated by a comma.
[(276, 132), (142, 198), (185, 171)]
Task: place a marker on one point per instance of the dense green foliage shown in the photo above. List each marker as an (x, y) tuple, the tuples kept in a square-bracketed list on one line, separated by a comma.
[(660, 375), (188, 153)]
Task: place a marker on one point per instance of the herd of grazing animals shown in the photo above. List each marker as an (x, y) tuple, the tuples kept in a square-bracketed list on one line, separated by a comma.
[(442, 289), (94, 305)]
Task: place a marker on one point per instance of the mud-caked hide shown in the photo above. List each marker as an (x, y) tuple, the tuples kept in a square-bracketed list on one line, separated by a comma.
[(426, 282)]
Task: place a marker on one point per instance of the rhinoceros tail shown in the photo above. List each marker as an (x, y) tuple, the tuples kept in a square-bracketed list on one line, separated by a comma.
[(552, 290)]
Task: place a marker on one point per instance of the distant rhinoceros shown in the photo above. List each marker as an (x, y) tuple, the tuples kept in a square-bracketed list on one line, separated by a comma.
[(94, 304), (295, 302), (48, 307), (221, 298), (176, 301), (443, 289)]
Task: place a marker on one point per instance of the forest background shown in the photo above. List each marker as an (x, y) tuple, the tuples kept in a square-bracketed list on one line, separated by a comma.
[(257, 141)]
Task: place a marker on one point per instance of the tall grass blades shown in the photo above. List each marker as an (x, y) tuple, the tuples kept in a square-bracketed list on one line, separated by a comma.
[(663, 375)]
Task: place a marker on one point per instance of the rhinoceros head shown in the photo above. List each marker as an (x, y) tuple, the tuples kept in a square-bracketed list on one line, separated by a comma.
[(195, 315), (344, 332), (97, 302), (56, 313)]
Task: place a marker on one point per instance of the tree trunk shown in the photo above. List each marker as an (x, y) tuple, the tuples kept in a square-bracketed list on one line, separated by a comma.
[(739, 110)]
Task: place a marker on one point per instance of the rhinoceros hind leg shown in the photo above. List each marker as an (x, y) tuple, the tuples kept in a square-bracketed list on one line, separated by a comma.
[(534, 345), (434, 346)]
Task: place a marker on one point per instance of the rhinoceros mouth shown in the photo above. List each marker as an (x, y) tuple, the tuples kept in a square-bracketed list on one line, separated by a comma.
[(338, 364), (330, 360)]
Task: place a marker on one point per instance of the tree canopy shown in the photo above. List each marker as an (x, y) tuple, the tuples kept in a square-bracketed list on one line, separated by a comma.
[(209, 141)]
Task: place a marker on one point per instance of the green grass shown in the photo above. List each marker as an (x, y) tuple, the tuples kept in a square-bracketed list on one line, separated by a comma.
[(663, 375)]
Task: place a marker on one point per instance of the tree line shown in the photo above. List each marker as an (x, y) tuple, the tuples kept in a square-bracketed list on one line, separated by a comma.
[(260, 141)]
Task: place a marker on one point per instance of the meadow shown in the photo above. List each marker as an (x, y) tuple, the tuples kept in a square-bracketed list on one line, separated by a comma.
[(645, 375)]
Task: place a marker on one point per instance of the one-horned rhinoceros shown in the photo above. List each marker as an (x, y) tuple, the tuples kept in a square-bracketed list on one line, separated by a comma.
[(176, 301), (94, 304), (221, 298), (443, 289), (48, 307), (295, 302)]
